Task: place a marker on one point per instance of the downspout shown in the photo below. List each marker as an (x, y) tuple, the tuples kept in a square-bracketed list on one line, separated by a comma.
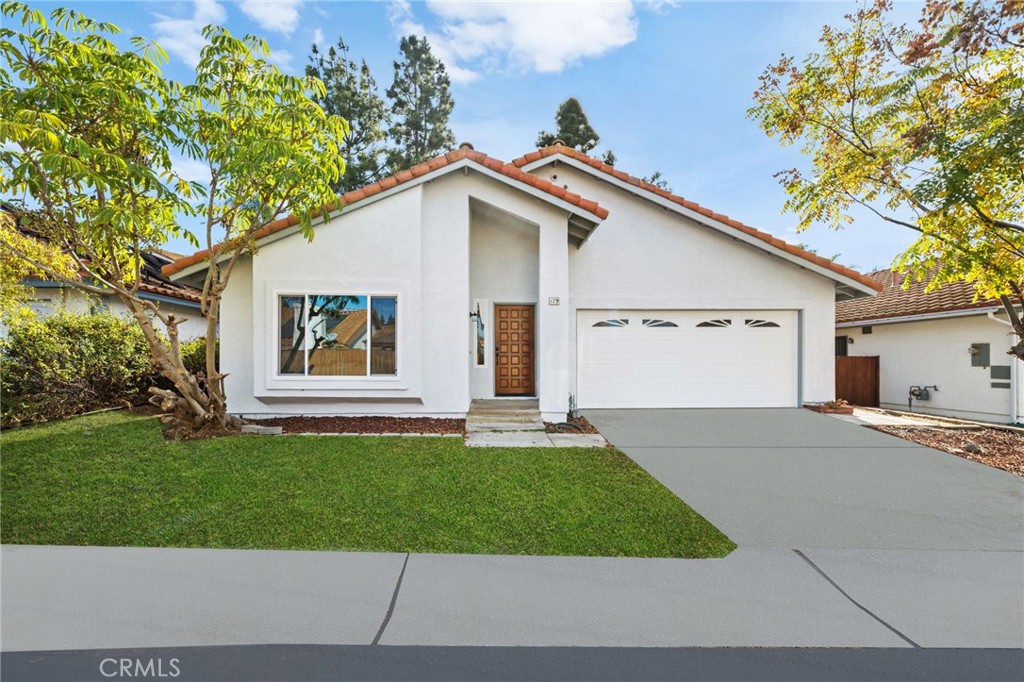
[(1014, 375)]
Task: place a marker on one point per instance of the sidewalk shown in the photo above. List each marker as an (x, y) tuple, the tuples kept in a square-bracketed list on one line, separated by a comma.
[(59, 598)]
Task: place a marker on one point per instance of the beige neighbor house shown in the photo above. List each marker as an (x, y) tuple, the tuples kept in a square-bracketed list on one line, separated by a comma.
[(553, 276), (943, 341)]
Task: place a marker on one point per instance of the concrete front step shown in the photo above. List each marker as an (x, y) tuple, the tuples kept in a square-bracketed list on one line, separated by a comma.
[(511, 420), (504, 413), (504, 416)]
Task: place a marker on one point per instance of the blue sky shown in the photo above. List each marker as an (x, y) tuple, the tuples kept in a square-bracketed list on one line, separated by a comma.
[(665, 84)]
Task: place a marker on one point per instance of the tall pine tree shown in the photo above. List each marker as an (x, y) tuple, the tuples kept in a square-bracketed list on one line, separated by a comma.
[(421, 104), (574, 129), (352, 94)]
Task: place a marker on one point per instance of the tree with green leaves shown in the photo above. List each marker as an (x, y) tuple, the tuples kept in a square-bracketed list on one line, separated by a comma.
[(14, 293), (573, 129), (88, 132), (921, 125), (351, 93), (421, 105)]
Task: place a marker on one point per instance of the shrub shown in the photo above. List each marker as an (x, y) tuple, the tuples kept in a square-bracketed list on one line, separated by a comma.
[(193, 355), (70, 363)]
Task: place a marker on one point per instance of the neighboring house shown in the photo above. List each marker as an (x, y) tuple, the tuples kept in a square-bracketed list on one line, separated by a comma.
[(550, 276), (941, 338), (181, 300), (172, 297)]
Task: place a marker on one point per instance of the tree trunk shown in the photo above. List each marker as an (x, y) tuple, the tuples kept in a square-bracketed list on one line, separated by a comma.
[(1017, 349), (195, 402)]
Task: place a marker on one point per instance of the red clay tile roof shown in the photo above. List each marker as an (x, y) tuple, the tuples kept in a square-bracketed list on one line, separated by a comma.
[(152, 281), (895, 301), (171, 290), (746, 229), (416, 171), (170, 255)]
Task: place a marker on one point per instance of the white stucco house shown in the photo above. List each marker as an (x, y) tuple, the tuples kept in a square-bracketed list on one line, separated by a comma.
[(943, 340), (552, 276)]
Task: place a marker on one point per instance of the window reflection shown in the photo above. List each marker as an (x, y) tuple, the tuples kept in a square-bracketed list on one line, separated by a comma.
[(337, 335)]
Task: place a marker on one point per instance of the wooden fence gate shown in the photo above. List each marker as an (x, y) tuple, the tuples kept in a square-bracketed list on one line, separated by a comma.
[(857, 379)]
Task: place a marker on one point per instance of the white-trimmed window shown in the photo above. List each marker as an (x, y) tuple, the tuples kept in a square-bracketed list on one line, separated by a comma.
[(337, 335)]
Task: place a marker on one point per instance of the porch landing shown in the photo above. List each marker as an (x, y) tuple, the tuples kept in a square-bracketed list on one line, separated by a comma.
[(518, 424)]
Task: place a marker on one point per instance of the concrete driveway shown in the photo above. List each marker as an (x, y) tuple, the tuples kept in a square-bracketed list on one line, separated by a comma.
[(793, 478), (927, 543)]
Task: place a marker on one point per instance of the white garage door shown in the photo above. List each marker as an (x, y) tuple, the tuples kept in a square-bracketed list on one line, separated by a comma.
[(686, 358)]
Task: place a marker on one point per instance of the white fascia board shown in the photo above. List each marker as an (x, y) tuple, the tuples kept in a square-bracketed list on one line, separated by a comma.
[(917, 318), (432, 175), (725, 229)]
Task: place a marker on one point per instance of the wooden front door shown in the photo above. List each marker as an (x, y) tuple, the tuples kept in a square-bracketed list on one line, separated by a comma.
[(513, 350)]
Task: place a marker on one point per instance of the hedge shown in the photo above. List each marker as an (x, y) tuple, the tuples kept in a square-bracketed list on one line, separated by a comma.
[(68, 363)]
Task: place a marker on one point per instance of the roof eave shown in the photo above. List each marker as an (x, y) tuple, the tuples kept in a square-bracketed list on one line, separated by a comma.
[(918, 317), (585, 216), (846, 286)]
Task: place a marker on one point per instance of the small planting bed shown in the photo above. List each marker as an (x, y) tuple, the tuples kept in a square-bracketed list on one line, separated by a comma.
[(831, 407), (994, 447), (376, 425), (571, 425)]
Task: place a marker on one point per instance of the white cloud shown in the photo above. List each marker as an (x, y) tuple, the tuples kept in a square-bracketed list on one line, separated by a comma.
[(547, 37), (318, 36), (183, 37), (191, 169), (658, 6), (282, 59), (402, 20), (273, 15)]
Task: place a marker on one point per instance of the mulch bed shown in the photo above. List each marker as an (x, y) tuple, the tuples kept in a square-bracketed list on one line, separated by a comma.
[(1000, 449), (365, 424), (581, 422)]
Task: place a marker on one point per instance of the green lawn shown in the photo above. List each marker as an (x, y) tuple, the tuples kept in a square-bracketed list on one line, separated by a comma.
[(111, 479)]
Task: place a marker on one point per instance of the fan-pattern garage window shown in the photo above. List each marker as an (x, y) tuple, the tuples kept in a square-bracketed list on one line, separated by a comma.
[(762, 323), (715, 323), (611, 323), (659, 323)]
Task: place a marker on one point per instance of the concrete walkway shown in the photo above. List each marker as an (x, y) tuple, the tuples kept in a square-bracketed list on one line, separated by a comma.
[(62, 598)]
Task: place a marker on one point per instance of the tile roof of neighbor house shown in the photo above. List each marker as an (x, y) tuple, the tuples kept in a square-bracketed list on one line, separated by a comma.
[(894, 301), (351, 328), (171, 290), (170, 255), (597, 164), (152, 282), (417, 171)]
